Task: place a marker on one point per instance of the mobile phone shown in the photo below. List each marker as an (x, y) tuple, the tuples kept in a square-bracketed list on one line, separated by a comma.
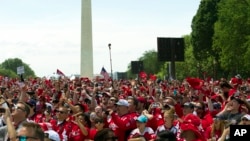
[(243, 88), (2, 110)]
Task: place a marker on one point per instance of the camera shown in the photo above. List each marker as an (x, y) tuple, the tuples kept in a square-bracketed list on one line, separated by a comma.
[(3, 89), (79, 89), (243, 88), (155, 105), (30, 92), (96, 84), (2, 110)]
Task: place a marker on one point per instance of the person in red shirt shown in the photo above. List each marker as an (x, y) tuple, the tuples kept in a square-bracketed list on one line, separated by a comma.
[(80, 128), (142, 132), (99, 125), (203, 114), (190, 128), (171, 102), (121, 122), (154, 115), (62, 127), (214, 131)]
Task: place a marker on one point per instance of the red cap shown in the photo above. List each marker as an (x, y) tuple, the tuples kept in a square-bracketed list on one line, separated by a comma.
[(142, 100)]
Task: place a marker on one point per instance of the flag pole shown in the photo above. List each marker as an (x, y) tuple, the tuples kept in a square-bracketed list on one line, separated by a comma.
[(109, 45)]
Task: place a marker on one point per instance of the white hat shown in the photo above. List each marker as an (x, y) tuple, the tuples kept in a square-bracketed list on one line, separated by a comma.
[(122, 102), (53, 135), (247, 116)]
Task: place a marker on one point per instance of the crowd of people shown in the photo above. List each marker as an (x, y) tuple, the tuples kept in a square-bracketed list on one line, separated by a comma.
[(141, 109)]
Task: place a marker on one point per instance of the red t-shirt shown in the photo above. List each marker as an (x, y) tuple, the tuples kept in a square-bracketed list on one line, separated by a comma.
[(92, 133), (39, 118), (148, 133), (121, 125), (63, 129), (76, 133)]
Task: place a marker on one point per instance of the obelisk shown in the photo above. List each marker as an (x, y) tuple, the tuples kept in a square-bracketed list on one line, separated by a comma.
[(86, 40)]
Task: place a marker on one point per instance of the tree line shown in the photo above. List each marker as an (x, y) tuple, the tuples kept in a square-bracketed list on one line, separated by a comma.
[(218, 46)]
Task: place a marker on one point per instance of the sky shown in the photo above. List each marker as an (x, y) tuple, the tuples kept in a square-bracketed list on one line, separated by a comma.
[(45, 34)]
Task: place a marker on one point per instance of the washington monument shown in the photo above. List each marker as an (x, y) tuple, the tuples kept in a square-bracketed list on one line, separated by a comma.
[(86, 40)]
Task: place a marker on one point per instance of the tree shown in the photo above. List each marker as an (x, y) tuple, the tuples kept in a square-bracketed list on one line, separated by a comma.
[(189, 67), (8, 73), (150, 63), (203, 29), (231, 36), (12, 64)]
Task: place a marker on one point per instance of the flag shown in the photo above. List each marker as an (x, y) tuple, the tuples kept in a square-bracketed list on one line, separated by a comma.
[(104, 74), (60, 72), (152, 77), (143, 75)]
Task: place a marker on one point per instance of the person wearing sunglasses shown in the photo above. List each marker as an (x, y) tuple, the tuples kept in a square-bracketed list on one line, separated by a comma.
[(30, 131), (62, 127), (20, 114)]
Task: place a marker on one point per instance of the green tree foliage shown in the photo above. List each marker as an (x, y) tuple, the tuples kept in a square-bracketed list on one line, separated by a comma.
[(150, 63), (8, 73), (203, 29), (218, 46), (10, 65), (231, 39), (190, 66)]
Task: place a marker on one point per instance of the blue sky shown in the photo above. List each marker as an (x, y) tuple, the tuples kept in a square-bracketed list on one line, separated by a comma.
[(45, 34)]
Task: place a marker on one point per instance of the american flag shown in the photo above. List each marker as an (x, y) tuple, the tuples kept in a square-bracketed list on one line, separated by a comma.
[(60, 72), (104, 74)]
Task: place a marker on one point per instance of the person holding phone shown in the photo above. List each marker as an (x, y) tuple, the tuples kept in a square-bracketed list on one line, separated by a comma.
[(8, 131)]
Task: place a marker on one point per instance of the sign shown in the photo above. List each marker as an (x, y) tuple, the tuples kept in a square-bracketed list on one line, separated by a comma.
[(238, 132), (20, 70)]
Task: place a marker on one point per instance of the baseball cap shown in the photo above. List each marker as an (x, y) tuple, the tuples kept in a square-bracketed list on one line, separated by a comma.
[(246, 116), (142, 119), (122, 102), (53, 135), (31, 102), (141, 99), (237, 99)]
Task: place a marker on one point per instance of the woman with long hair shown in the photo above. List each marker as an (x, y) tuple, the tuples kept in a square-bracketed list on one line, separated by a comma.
[(216, 129)]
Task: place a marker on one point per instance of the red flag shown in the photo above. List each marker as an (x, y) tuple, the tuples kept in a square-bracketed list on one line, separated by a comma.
[(105, 74), (60, 72), (153, 77), (195, 83), (143, 75)]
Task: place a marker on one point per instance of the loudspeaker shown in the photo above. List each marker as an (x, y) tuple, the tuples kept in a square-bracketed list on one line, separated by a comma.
[(170, 48), (178, 49), (164, 49), (121, 75), (136, 66)]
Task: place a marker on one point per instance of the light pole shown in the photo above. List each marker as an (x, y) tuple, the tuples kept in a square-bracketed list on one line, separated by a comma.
[(109, 45)]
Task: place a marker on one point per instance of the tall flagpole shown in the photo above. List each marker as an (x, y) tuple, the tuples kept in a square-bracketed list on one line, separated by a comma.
[(109, 45)]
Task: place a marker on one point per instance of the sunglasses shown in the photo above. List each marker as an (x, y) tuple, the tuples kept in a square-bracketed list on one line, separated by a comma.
[(244, 119), (24, 138), (19, 108), (61, 112), (198, 107), (112, 99)]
